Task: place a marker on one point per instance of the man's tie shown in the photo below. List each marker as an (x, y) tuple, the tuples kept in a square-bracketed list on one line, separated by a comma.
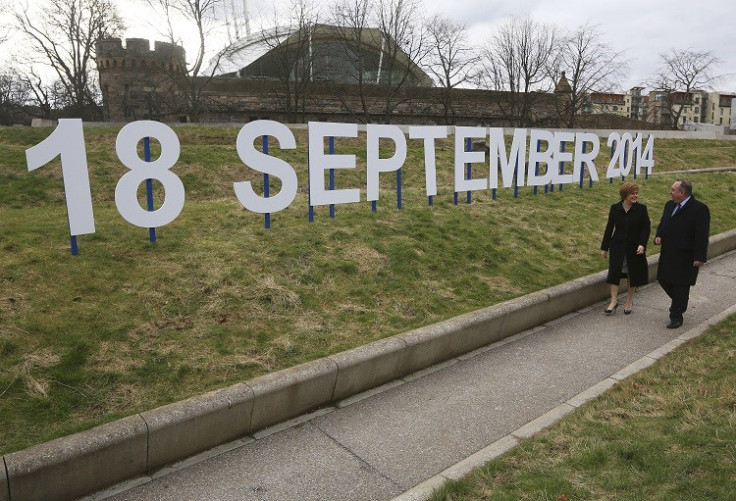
[(677, 207)]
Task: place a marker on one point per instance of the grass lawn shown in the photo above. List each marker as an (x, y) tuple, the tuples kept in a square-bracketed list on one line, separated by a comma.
[(667, 433), (128, 325)]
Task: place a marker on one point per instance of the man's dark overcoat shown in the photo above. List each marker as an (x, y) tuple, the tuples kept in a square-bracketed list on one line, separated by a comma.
[(625, 231), (684, 240)]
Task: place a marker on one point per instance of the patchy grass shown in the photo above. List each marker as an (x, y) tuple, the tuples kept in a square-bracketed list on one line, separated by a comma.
[(668, 432), (128, 325)]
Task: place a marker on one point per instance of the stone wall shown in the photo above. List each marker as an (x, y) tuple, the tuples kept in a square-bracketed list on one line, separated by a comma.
[(140, 83)]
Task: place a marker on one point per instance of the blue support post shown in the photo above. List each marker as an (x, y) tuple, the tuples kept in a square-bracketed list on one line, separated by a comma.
[(626, 152), (469, 168), (582, 171), (634, 158), (399, 204), (266, 185), (562, 165), (332, 174), (613, 152), (149, 186), (536, 166), (310, 212)]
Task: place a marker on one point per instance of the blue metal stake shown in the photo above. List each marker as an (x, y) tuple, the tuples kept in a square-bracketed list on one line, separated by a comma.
[(582, 171), (635, 163), (310, 212), (149, 186), (266, 185), (469, 168), (399, 204), (332, 174), (562, 164), (536, 166), (613, 152)]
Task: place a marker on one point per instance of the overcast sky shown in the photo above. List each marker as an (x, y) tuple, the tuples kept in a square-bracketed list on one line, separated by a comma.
[(644, 29)]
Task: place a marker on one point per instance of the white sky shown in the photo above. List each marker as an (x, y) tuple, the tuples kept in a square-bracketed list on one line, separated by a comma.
[(644, 29)]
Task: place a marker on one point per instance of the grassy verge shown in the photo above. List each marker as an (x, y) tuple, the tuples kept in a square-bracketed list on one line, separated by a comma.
[(128, 326), (669, 432)]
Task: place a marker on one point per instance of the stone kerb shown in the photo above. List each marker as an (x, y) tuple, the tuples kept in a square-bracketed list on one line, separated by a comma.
[(185, 428), (79, 464), (367, 366), (4, 488), (291, 392), (72, 466), (722, 243)]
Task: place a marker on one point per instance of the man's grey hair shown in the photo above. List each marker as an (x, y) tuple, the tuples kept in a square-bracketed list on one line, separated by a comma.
[(686, 186)]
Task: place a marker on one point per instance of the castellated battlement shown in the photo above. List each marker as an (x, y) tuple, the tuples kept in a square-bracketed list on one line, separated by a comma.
[(137, 55), (140, 83)]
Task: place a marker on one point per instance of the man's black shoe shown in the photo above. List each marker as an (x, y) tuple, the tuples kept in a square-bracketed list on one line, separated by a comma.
[(674, 324)]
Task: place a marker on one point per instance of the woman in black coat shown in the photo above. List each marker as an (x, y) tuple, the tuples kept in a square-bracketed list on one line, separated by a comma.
[(624, 243)]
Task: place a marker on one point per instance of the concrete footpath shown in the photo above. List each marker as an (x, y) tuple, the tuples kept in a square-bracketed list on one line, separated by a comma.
[(401, 440)]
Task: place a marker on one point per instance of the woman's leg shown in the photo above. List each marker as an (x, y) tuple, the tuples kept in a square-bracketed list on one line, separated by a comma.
[(630, 298), (614, 297)]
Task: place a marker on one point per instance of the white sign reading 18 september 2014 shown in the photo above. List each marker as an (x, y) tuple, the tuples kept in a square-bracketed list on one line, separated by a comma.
[(67, 141)]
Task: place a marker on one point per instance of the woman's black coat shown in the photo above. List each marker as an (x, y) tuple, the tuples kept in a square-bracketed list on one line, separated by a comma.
[(624, 232)]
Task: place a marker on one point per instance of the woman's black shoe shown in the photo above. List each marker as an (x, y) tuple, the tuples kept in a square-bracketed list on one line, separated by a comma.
[(611, 311)]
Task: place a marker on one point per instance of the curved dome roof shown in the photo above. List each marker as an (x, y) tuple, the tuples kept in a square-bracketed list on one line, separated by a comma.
[(333, 50)]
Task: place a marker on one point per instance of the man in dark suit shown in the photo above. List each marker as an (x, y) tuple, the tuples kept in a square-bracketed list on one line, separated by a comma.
[(683, 234)]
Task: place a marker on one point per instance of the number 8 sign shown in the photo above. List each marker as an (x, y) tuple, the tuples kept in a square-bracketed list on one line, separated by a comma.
[(126, 197)]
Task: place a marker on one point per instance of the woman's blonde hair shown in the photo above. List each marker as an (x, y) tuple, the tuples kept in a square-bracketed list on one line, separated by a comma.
[(627, 189)]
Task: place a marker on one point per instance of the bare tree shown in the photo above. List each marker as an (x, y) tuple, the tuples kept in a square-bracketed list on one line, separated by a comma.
[(291, 56), (44, 96), (64, 33), (680, 73), (14, 95), (591, 65), (404, 48), (451, 60), (520, 58), (201, 16), (357, 43), (4, 27)]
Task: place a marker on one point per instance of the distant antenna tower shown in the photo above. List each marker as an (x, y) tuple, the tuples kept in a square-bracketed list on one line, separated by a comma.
[(236, 19)]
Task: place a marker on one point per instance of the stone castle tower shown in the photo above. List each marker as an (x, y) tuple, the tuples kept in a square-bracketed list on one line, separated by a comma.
[(139, 83)]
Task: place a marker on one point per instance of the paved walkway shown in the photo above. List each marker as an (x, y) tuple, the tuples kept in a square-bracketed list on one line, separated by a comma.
[(406, 437)]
